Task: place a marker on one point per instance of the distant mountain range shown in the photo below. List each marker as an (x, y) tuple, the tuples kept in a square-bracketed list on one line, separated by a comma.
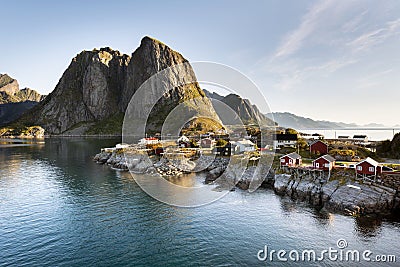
[(15, 101), (289, 120), (247, 112)]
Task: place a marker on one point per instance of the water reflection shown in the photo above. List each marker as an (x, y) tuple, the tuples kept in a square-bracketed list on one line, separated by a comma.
[(368, 226), (58, 207)]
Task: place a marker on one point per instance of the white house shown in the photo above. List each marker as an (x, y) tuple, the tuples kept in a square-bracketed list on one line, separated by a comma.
[(119, 146), (148, 141), (183, 139), (245, 146)]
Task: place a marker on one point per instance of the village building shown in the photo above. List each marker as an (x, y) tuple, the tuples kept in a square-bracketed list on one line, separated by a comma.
[(245, 146), (226, 150), (206, 143), (290, 160), (360, 138), (325, 162), (318, 147), (121, 146), (368, 167), (183, 141), (285, 140), (148, 141)]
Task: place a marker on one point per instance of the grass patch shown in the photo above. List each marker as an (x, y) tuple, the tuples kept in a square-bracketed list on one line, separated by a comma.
[(111, 125)]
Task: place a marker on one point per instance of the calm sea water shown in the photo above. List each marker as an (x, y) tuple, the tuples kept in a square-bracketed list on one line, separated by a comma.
[(58, 208)]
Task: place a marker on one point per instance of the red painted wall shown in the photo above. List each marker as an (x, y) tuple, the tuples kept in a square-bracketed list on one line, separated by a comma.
[(320, 147), (322, 163), (286, 163), (365, 168)]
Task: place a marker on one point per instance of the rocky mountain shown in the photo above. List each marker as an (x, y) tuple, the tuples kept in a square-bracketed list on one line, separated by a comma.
[(8, 85), (289, 120), (13, 101), (94, 91), (247, 112)]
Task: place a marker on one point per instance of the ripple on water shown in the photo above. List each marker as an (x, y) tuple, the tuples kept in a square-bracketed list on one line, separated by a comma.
[(59, 208)]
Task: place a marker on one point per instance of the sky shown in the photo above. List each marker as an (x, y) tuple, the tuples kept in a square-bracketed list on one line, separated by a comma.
[(327, 60)]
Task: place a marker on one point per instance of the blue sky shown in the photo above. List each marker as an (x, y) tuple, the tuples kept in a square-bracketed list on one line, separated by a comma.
[(332, 60)]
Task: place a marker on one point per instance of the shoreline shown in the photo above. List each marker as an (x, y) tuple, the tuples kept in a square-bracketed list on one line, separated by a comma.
[(343, 194)]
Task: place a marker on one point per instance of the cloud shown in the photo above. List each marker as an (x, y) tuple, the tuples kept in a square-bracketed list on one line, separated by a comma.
[(372, 38), (309, 22), (292, 75), (354, 24), (331, 36)]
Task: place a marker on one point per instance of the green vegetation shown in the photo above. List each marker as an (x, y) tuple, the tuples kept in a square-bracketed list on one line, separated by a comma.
[(5, 79), (111, 125), (193, 143), (29, 132), (344, 153), (291, 131), (201, 126), (221, 143), (389, 149)]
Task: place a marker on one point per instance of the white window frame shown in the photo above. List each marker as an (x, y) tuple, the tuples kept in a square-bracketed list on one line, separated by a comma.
[(359, 168), (316, 165), (371, 169)]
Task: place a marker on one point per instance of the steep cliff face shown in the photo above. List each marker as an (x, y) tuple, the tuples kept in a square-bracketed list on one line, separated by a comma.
[(151, 57), (87, 92), (98, 85)]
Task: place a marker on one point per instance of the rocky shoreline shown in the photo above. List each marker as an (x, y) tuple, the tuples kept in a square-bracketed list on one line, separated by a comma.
[(346, 195)]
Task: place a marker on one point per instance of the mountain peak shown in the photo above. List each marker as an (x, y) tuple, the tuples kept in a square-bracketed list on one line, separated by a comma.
[(94, 91), (8, 84), (150, 40)]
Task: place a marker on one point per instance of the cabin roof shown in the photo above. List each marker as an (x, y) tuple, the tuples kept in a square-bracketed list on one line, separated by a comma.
[(286, 137), (328, 158), (370, 161), (292, 155), (316, 141), (246, 142)]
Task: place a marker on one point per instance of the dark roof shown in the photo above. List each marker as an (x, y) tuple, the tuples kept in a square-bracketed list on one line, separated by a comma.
[(286, 137), (292, 155), (359, 136)]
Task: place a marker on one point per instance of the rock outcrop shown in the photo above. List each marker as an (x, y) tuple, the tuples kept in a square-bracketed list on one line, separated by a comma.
[(349, 197), (13, 101), (247, 112), (87, 92), (99, 84), (8, 84)]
